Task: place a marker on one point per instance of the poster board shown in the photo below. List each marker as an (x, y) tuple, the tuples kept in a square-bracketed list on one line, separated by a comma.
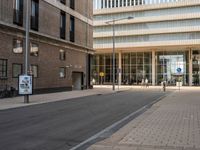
[(25, 85)]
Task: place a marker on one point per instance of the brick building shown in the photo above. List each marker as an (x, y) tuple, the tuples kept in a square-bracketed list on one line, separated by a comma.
[(60, 43)]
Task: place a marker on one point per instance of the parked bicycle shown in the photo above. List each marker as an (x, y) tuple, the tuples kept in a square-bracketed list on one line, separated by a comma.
[(7, 92)]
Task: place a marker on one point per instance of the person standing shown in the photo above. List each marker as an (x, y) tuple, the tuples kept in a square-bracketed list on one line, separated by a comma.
[(146, 82)]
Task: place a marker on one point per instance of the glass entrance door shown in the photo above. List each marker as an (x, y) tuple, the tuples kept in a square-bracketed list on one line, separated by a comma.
[(196, 67), (172, 66)]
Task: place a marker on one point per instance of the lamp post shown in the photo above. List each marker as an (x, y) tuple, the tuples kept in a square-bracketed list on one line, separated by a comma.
[(112, 22), (26, 97)]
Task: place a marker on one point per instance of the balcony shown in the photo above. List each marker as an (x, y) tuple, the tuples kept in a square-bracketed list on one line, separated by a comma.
[(62, 33), (34, 23), (18, 17)]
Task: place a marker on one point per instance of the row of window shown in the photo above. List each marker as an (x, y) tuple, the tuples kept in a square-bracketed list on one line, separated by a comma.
[(18, 17), (18, 47), (99, 4), (71, 3), (34, 49), (17, 69)]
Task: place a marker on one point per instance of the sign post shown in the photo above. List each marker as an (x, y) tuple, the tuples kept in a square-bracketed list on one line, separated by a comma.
[(25, 85), (101, 74), (179, 70)]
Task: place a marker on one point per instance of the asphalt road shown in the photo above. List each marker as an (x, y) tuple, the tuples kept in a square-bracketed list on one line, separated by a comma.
[(64, 124)]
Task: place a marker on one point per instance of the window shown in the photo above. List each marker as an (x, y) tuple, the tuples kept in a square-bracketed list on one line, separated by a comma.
[(62, 54), (16, 70), (17, 46), (34, 71), (62, 72), (72, 4), (34, 14), (34, 49), (18, 12), (120, 3), (62, 25), (72, 28), (63, 1), (3, 68), (117, 3)]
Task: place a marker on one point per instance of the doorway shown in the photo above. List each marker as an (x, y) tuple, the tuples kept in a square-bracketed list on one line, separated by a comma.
[(77, 80)]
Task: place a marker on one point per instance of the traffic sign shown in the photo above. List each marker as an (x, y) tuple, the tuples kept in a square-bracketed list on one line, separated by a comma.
[(101, 74)]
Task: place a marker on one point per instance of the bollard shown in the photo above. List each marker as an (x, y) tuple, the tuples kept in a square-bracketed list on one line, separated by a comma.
[(164, 86)]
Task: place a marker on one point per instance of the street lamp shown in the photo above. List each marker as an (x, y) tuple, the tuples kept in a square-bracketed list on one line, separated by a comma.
[(26, 62), (112, 22)]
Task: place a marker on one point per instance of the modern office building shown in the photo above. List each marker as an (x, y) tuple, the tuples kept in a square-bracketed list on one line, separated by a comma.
[(60, 43), (161, 42)]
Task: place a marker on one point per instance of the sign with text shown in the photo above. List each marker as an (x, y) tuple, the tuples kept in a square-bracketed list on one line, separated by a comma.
[(25, 85)]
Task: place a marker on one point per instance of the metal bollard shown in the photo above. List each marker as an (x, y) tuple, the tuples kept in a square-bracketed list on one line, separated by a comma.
[(164, 86)]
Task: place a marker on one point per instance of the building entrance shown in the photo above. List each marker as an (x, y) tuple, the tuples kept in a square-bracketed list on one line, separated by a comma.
[(77, 80), (172, 67), (196, 67)]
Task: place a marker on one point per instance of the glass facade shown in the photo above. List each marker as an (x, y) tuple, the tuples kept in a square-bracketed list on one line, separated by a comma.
[(135, 67), (172, 66), (103, 63), (196, 67), (171, 31)]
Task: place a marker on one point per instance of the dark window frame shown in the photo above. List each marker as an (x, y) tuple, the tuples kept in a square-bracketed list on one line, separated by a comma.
[(72, 4), (62, 55), (72, 29), (63, 2), (37, 66), (15, 43), (3, 68), (60, 72), (13, 76), (18, 12), (32, 53), (34, 14), (63, 25)]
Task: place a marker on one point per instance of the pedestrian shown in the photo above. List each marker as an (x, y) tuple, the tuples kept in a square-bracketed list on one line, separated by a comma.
[(147, 82), (142, 83)]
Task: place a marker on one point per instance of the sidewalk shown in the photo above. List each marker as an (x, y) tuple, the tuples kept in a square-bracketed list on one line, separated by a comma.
[(15, 102), (171, 124)]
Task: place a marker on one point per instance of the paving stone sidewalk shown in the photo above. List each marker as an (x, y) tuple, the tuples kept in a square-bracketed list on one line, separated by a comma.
[(171, 124)]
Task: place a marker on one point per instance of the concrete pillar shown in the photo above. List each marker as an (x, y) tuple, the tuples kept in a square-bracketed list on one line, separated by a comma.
[(153, 67), (190, 67), (120, 68)]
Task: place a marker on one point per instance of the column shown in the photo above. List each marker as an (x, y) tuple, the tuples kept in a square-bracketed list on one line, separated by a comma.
[(153, 68), (120, 68), (190, 67)]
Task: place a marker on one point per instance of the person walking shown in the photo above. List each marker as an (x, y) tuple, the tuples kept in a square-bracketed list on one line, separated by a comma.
[(147, 82)]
